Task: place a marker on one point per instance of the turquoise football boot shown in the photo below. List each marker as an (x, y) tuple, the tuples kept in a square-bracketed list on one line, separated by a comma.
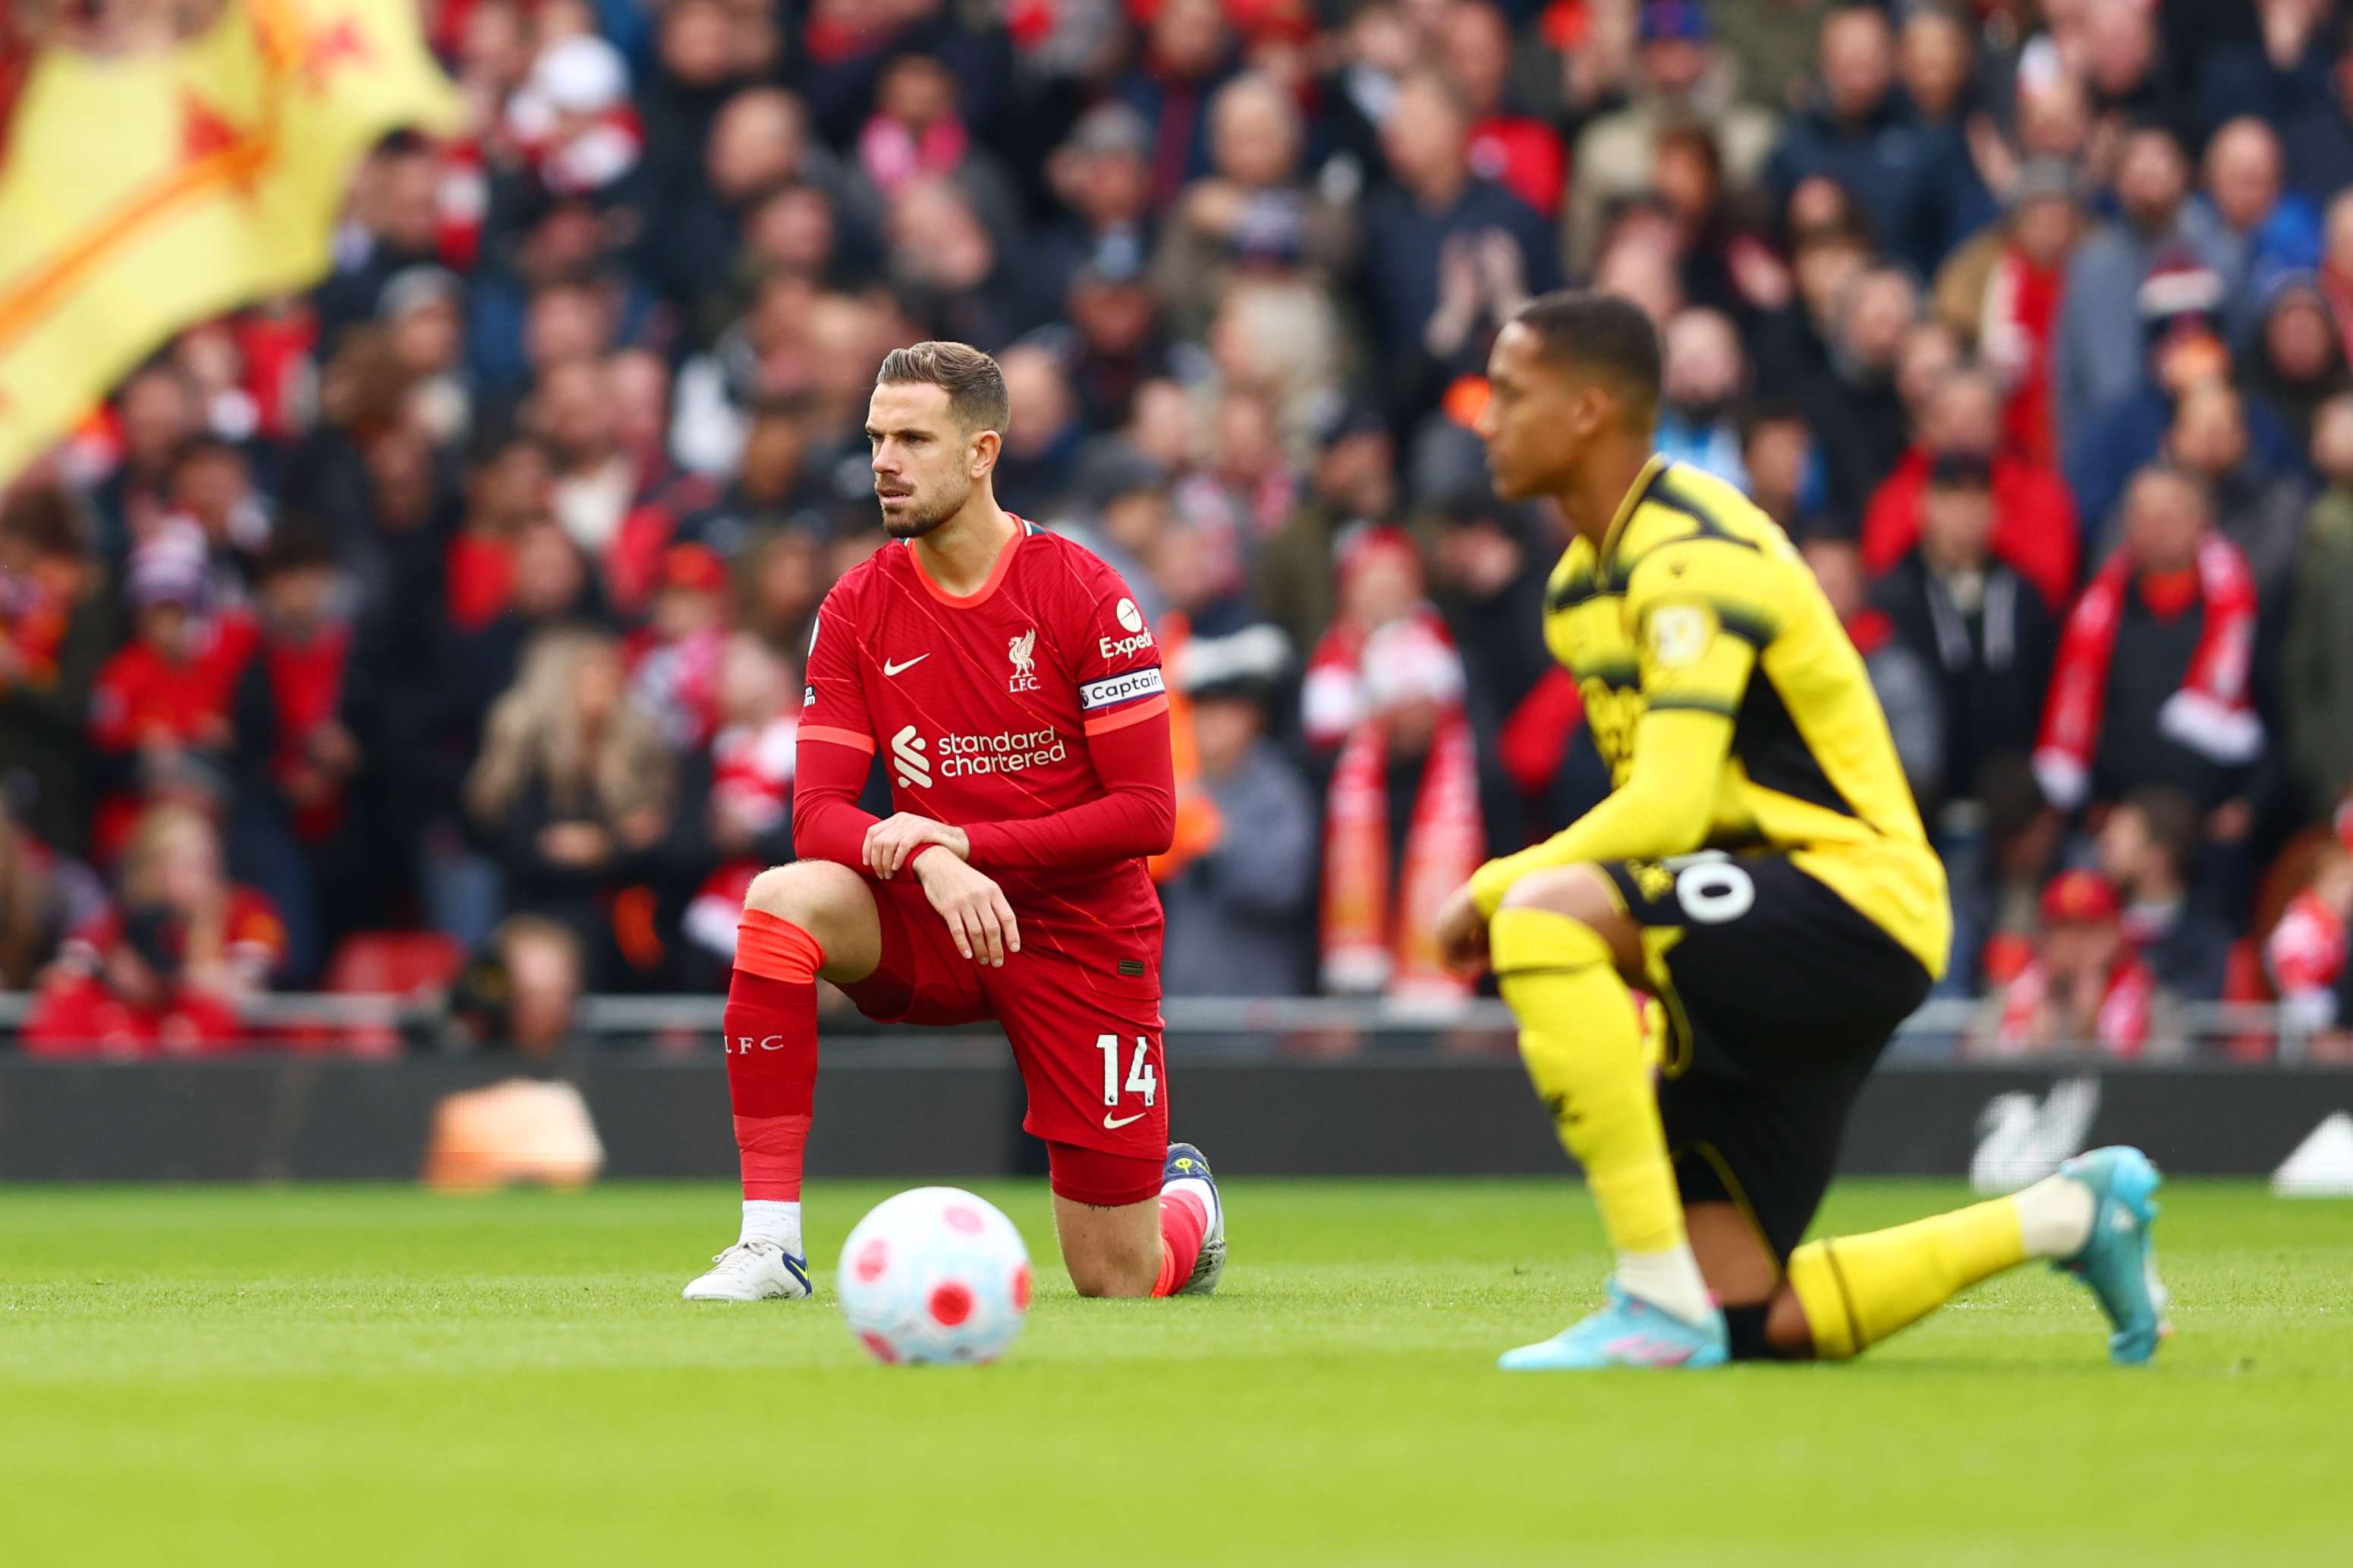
[(1628, 1331), (2117, 1262)]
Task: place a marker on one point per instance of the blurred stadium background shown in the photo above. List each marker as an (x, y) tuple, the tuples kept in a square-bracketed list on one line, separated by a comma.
[(399, 661)]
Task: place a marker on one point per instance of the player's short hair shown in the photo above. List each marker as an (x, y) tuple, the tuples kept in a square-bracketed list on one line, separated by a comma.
[(1603, 335), (975, 385)]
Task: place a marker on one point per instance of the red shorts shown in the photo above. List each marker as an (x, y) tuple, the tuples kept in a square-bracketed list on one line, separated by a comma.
[(1085, 1033)]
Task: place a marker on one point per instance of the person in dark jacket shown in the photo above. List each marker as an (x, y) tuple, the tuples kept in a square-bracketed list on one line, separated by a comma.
[(1979, 625), (1862, 132), (57, 624), (2148, 849), (1239, 913), (1859, 417)]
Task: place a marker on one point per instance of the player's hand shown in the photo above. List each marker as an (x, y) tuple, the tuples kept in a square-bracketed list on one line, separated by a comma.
[(890, 841), (1462, 934), (973, 905)]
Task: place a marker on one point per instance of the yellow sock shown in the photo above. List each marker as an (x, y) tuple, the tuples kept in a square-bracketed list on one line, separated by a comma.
[(1858, 1289), (1582, 1047)]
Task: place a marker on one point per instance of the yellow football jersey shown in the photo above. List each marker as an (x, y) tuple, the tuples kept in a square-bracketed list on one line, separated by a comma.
[(1697, 601)]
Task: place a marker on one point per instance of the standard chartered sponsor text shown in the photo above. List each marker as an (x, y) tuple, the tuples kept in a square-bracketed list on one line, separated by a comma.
[(1007, 752)]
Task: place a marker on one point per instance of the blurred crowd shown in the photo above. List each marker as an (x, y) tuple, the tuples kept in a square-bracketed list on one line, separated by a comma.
[(455, 608)]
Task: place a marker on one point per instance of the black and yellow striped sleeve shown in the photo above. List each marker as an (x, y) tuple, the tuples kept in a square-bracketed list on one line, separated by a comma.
[(1698, 611)]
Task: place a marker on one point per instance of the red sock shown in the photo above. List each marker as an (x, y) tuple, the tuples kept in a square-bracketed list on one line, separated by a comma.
[(771, 1023), (1182, 1223)]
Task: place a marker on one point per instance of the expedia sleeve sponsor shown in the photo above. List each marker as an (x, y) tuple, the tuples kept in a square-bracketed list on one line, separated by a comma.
[(1116, 689)]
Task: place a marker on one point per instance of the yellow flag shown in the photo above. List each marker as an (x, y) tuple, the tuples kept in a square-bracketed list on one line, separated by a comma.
[(143, 193)]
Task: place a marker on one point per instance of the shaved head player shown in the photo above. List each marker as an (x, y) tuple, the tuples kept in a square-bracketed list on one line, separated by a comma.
[(1012, 690), (1759, 868)]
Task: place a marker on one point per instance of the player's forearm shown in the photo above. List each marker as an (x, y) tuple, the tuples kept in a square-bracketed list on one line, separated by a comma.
[(1135, 816), (827, 823), (1125, 824), (1665, 808)]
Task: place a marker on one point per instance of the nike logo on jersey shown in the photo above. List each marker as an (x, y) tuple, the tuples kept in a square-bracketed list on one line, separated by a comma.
[(1112, 1125), (889, 669)]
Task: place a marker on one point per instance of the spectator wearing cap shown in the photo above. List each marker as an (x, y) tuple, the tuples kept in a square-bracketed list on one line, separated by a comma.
[(1119, 509), (1682, 78), (158, 709), (2316, 651), (1981, 628), (2296, 361), (2101, 354), (1101, 178), (2147, 849), (2032, 516), (1704, 373), (1236, 910), (1351, 486), (2001, 292), (1519, 151), (1111, 339), (573, 125), (1252, 211), (2153, 681), (2267, 229), (1187, 55), (58, 627), (1861, 132), (2183, 305), (2084, 991), (1435, 199)]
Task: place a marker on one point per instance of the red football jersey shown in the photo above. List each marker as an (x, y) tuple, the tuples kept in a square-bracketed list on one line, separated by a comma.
[(981, 708)]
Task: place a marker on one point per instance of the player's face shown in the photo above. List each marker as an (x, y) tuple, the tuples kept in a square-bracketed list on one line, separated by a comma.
[(925, 464), (1537, 420)]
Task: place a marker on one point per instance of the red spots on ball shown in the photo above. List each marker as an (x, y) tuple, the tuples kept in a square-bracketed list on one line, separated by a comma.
[(1021, 1289), (871, 1259), (880, 1348), (951, 1304), (961, 1218)]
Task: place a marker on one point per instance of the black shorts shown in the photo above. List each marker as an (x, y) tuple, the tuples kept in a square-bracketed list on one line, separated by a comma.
[(1778, 998)]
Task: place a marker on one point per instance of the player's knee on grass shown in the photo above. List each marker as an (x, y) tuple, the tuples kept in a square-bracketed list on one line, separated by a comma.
[(1584, 895), (831, 903), (1110, 1251)]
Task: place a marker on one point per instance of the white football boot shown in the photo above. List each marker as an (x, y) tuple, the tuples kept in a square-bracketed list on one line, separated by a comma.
[(752, 1272)]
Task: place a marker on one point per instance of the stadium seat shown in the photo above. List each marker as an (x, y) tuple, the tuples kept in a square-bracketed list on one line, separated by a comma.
[(389, 964)]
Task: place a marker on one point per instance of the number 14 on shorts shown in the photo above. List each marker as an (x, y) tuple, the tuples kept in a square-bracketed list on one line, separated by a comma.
[(1141, 1078)]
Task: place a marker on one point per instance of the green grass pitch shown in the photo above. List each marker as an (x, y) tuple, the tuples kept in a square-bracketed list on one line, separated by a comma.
[(359, 1376)]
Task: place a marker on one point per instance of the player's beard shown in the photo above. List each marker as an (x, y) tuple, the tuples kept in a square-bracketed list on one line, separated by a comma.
[(927, 514)]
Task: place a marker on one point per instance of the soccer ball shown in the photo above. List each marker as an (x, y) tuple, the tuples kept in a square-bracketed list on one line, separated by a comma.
[(935, 1275)]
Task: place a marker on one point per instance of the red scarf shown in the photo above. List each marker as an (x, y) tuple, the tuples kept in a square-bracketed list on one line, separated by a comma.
[(1374, 942), (2021, 321), (2210, 715)]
